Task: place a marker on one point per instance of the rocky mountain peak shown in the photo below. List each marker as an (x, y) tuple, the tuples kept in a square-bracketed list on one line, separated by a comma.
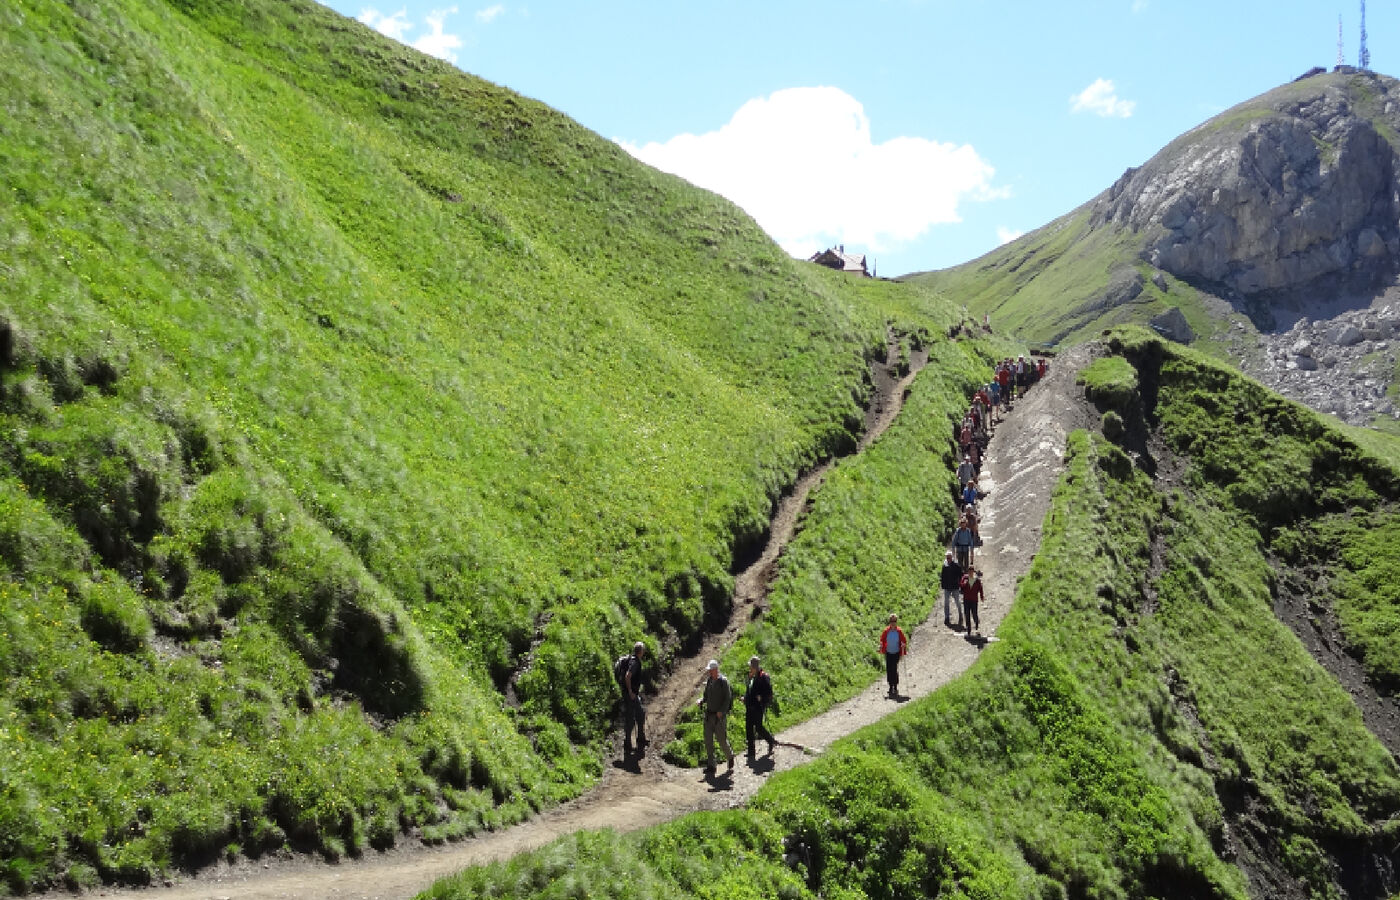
[(1293, 190)]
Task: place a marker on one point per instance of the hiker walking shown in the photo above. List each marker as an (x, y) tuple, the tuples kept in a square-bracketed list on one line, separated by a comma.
[(966, 471), (970, 514), (628, 670), (972, 596), (963, 541), (950, 580), (716, 700), (894, 645), (758, 696), (969, 493)]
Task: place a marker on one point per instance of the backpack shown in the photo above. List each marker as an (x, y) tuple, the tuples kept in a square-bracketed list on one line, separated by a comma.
[(624, 662), (772, 696)]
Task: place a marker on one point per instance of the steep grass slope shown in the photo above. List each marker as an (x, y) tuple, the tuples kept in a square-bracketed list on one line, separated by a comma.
[(354, 413), (1145, 727)]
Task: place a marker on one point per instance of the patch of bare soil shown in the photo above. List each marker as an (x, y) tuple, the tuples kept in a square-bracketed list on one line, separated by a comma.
[(1022, 465), (1300, 602)]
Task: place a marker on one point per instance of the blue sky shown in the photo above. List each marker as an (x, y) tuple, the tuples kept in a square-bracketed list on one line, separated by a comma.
[(921, 132)]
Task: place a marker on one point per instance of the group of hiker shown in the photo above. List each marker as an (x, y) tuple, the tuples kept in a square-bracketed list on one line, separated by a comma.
[(960, 581), (715, 702)]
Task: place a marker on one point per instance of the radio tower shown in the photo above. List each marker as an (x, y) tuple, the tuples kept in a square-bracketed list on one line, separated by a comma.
[(1364, 57), (1341, 60)]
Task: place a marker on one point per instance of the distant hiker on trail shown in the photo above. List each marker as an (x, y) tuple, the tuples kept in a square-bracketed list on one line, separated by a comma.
[(966, 471), (969, 493), (628, 671), (963, 541), (950, 580), (716, 701), (758, 696), (894, 645), (970, 514), (972, 597)]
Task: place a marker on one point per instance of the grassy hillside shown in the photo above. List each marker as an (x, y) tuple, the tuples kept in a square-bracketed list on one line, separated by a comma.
[(1145, 727), (1054, 285), (354, 413)]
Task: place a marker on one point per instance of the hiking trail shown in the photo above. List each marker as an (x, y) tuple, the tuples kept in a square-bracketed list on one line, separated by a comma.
[(1022, 464)]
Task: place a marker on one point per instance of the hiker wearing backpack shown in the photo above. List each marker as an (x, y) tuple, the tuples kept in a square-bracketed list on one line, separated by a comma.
[(716, 701), (758, 696), (628, 672), (893, 644)]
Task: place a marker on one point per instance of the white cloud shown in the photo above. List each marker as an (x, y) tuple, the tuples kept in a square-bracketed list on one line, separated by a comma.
[(803, 164), (1139, 5), (1101, 99), (392, 26), (438, 42), (1007, 235), (488, 15)]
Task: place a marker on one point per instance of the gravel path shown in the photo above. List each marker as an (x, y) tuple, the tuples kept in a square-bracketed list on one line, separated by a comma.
[(1023, 463)]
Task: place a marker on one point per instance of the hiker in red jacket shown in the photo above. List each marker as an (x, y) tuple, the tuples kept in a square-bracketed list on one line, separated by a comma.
[(894, 645), (972, 596)]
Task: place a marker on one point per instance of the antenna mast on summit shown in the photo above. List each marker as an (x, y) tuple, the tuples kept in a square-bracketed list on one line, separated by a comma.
[(1364, 57), (1341, 60)]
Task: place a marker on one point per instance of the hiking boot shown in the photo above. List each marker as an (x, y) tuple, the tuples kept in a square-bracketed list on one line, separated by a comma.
[(730, 770), (771, 745), (710, 769)]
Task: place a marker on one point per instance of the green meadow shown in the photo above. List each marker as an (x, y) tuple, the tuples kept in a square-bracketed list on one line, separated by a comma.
[(355, 414), (1145, 727)]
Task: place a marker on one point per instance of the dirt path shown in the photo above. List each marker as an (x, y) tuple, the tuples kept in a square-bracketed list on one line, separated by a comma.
[(1022, 465)]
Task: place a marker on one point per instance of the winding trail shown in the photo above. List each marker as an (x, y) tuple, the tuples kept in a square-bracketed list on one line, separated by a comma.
[(1022, 465)]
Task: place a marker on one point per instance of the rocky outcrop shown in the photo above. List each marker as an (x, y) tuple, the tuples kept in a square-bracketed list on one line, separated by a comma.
[(1296, 188), (1124, 286), (1172, 325)]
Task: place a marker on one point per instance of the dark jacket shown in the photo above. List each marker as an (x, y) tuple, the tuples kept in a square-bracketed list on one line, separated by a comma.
[(950, 579), (759, 690)]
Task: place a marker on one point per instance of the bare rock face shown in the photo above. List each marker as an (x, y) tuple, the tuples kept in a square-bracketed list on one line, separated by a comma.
[(1172, 325), (1278, 194)]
